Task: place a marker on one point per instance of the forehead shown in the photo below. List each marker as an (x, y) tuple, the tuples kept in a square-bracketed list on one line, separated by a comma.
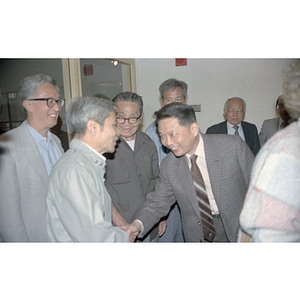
[(47, 89), (168, 125), (127, 107), (235, 103), (176, 91)]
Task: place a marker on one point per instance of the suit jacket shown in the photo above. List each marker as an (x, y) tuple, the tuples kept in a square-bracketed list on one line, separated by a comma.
[(23, 186), (250, 132), (131, 175), (269, 127), (229, 163)]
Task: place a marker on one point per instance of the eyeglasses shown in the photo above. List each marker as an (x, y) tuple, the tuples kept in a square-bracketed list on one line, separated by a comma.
[(232, 111), (131, 120), (50, 101)]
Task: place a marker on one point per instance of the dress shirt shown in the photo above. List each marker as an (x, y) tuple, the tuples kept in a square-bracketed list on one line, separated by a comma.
[(281, 122), (201, 163), (231, 130), (47, 149)]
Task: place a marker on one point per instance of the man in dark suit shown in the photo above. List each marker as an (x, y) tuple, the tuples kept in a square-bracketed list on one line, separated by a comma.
[(225, 163), (234, 114)]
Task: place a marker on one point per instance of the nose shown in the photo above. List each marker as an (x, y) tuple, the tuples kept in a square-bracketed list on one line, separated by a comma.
[(168, 141)]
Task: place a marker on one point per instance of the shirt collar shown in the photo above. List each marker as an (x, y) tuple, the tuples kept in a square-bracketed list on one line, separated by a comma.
[(199, 150), (103, 157), (37, 136)]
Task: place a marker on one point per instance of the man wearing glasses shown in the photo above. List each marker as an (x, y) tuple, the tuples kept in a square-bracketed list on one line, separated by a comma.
[(132, 170), (234, 114), (28, 154), (271, 126)]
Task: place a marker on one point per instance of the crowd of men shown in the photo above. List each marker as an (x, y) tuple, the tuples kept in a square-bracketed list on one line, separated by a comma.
[(171, 183)]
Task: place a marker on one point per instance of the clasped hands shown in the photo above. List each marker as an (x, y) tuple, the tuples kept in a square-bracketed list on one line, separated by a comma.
[(135, 227), (132, 230)]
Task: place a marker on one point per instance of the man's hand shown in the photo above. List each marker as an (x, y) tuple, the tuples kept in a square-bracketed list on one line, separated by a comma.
[(132, 230), (162, 225)]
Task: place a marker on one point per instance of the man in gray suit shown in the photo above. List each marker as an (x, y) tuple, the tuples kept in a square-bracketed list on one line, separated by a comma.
[(271, 126), (225, 162), (27, 156)]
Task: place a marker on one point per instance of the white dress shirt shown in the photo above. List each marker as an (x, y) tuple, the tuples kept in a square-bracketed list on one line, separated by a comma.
[(231, 130), (201, 163)]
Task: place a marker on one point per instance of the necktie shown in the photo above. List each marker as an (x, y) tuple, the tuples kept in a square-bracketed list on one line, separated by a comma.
[(205, 210), (236, 129)]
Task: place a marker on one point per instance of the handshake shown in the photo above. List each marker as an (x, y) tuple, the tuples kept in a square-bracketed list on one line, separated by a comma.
[(132, 230), (135, 227)]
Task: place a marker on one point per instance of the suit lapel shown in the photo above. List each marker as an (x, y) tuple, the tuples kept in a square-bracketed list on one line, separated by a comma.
[(247, 133), (214, 167), (223, 127), (31, 153)]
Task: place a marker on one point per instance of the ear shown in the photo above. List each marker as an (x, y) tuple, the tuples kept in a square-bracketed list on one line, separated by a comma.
[(91, 126), (28, 105), (141, 118), (195, 128)]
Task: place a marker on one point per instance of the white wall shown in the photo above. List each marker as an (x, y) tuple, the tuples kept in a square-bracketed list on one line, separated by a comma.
[(211, 82)]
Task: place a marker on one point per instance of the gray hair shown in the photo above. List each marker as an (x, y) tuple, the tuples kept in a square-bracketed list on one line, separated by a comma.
[(227, 101), (82, 109), (130, 97), (28, 85), (184, 113), (173, 83), (291, 89)]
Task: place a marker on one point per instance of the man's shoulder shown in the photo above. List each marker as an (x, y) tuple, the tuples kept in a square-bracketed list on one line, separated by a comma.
[(216, 127), (272, 121), (247, 124), (151, 127), (221, 141)]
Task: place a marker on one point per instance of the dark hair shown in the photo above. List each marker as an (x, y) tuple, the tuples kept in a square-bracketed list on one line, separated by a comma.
[(171, 84), (129, 97), (184, 113)]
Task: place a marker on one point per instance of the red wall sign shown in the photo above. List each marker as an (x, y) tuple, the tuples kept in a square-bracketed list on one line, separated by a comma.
[(180, 62)]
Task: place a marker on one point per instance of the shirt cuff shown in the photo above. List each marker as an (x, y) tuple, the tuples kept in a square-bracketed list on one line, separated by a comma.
[(142, 226)]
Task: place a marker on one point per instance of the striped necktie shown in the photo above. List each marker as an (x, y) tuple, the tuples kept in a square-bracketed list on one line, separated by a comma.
[(236, 128), (205, 210)]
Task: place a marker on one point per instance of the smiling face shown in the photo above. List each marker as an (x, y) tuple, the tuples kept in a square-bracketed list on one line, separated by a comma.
[(128, 109), (179, 139), (40, 116)]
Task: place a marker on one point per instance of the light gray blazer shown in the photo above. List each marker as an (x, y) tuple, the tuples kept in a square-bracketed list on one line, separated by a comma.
[(23, 187), (269, 128), (229, 161)]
